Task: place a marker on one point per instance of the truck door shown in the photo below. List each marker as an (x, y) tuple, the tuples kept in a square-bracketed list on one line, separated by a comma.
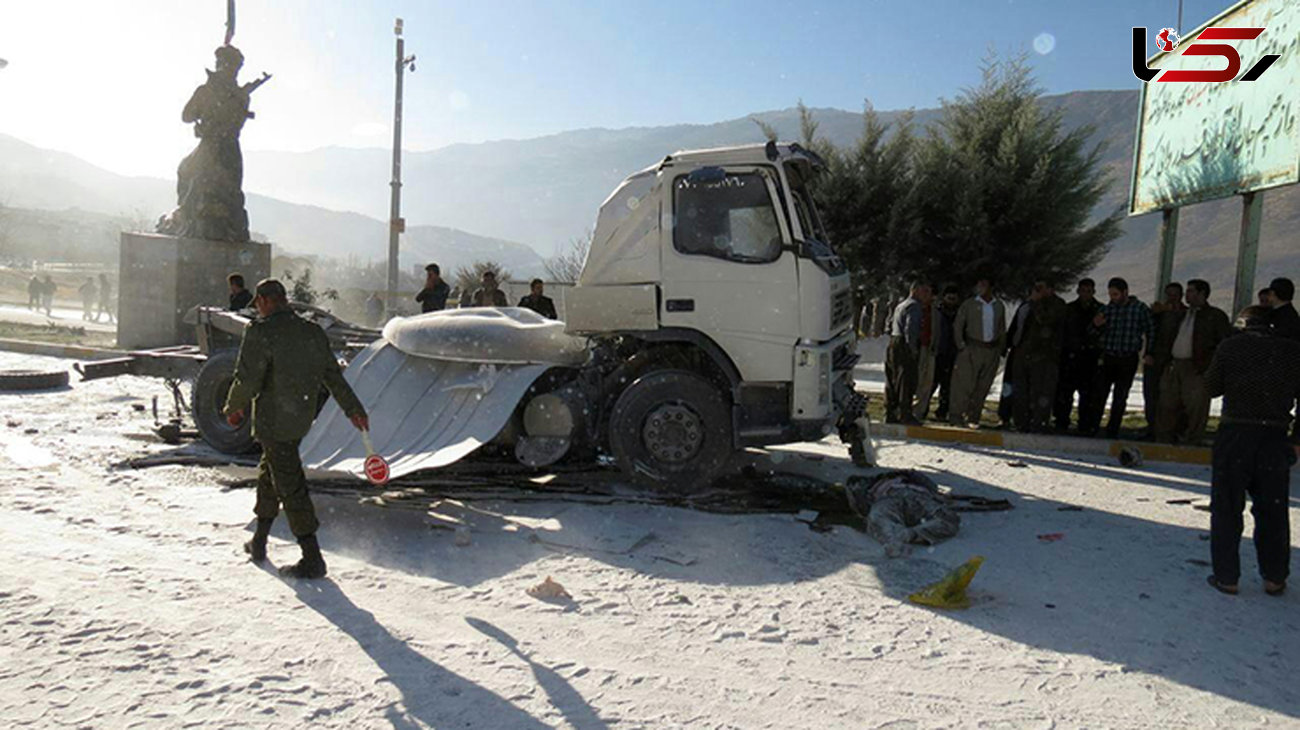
[(728, 270)]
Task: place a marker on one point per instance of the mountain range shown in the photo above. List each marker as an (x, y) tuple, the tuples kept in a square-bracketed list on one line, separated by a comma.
[(544, 192)]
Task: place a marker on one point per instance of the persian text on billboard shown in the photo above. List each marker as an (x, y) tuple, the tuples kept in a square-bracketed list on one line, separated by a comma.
[(1202, 141)]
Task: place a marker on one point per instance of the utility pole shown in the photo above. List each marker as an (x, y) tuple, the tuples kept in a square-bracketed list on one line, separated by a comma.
[(396, 225)]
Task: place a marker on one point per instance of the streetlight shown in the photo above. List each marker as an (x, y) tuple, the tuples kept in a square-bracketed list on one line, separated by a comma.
[(396, 225)]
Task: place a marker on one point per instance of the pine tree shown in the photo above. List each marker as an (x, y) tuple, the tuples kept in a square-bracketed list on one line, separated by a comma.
[(1002, 191)]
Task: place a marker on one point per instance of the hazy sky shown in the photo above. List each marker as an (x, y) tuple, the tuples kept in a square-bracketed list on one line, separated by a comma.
[(106, 79)]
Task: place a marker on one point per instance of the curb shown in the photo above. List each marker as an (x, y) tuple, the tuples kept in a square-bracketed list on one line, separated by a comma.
[(1037, 442), (71, 352)]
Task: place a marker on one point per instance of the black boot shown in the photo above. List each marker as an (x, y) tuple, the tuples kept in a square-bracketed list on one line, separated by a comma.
[(312, 564), (256, 548)]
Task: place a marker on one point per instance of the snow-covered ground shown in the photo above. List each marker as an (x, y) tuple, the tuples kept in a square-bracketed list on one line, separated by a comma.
[(125, 602)]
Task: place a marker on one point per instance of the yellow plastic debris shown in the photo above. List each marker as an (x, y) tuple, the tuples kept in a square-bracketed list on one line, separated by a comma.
[(950, 592)]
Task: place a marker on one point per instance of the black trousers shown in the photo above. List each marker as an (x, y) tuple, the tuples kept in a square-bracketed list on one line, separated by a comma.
[(943, 365), (1116, 372), (901, 375), (1007, 401), (1251, 460), (1078, 375)]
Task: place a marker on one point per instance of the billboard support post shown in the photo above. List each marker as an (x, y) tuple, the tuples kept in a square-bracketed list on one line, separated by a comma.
[(1168, 240), (1252, 210)]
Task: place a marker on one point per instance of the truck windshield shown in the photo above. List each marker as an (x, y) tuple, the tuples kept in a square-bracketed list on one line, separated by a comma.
[(732, 218), (804, 208)]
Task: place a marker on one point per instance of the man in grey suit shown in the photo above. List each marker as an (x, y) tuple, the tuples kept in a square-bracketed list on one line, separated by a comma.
[(980, 331), (911, 330)]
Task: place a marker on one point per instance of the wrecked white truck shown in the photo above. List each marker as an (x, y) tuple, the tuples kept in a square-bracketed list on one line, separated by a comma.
[(710, 315)]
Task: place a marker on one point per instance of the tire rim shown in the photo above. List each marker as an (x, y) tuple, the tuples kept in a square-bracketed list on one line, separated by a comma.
[(672, 433)]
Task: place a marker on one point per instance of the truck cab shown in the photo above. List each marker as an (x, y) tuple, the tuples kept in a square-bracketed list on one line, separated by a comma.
[(717, 259)]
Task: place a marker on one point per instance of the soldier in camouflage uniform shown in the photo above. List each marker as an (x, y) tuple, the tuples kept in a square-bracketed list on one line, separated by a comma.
[(283, 362)]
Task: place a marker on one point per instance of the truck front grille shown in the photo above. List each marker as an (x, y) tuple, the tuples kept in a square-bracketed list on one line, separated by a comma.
[(841, 308)]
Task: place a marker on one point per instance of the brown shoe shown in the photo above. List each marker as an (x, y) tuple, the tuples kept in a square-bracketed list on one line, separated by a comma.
[(1274, 589), (1222, 587)]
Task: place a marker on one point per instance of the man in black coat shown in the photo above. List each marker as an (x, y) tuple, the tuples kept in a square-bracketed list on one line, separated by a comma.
[(1284, 319), (537, 301), (1258, 374)]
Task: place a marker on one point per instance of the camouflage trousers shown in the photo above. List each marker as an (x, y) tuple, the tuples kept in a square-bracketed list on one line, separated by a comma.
[(281, 482), (911, 517)]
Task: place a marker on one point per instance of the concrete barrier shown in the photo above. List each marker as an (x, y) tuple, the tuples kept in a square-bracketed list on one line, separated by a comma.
[(49, 349), (1042, 442)]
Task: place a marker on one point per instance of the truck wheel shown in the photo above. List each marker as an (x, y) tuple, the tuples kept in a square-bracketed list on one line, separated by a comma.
[(207, 399), (671, 429), (33, 379)]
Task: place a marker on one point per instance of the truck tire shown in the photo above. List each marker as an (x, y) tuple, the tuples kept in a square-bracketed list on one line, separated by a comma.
[(207, 399), (671, 429), (33, 379)]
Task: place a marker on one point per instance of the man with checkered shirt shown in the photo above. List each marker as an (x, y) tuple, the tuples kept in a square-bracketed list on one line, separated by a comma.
[(1126, 329)]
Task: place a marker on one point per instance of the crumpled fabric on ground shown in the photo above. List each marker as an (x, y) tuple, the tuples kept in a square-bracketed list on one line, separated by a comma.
[(903, 508)]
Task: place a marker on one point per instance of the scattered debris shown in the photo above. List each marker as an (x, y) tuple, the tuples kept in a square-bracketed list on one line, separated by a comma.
[(549, 590), (1017, 464), (32, 431), (137, 407), (1130, 457), (1049, 605), (1052, 536), (1144, 596), (1198, 561), (13, 424), (1069, 508), (1179, 501)]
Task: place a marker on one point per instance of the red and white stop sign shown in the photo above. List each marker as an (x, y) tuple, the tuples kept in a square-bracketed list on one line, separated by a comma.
[(376, 469)]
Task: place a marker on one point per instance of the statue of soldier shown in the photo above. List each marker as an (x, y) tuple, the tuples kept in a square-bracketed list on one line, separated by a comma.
[(284, 360), (209, 185)]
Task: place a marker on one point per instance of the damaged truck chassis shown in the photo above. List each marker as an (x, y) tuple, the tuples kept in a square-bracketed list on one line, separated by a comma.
[(710, 315)]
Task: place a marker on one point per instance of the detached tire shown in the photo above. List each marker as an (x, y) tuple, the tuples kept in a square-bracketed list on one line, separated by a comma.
[(12, 380), (671, 429), (209, 396)]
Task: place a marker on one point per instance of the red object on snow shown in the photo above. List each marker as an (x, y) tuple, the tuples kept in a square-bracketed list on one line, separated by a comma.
[(1052, 536), (376, 467)]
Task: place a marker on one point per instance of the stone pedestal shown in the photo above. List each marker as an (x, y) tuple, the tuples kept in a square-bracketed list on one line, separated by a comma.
[(163, 277)]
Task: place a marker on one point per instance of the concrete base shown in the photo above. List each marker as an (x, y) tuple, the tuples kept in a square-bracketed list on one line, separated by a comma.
[(163, 277)]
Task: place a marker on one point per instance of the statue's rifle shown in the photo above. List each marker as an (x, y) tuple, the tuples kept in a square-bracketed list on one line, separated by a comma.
[(252, 86)]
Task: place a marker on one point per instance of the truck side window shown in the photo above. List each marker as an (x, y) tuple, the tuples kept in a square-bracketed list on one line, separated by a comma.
[(732, 218)]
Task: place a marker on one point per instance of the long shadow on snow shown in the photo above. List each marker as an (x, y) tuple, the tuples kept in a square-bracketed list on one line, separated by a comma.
[(1147, 625), (436, 696)]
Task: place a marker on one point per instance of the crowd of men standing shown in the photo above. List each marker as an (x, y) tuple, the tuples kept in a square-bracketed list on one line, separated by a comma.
[(1057, 354)]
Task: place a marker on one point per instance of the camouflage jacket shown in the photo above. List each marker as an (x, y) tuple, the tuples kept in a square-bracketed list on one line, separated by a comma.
[(283, 362)]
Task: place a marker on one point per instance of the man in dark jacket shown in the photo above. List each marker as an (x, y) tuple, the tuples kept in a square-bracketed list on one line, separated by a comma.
[(433, 297), (908, 336), (1285, 320), (240, 296), (1038, 365), (1187, 346), (283, 362), (1015, 336), (1258, 375), (1164, 316), (537, 301), (1079, 356), (945, 352)]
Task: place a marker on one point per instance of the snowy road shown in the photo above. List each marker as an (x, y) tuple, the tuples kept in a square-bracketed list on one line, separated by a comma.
[(125, 602)]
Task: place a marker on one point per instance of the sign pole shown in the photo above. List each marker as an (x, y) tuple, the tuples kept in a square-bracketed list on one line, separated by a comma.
[(1252, 210), (1168, 240), (396, 226)]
